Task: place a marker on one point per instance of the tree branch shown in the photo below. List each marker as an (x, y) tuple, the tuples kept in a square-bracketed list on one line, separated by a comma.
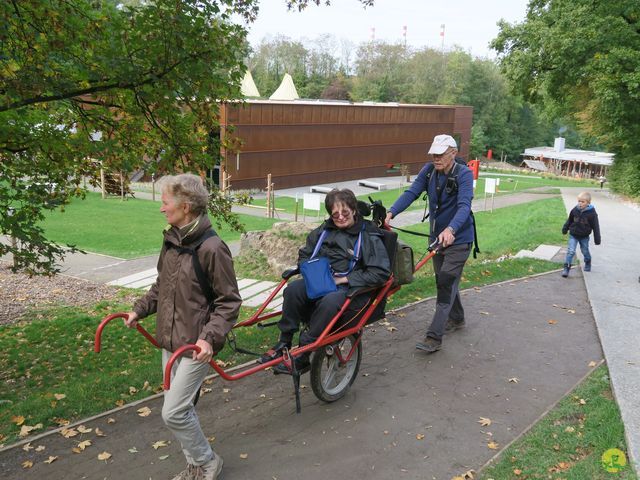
[(150, 79)]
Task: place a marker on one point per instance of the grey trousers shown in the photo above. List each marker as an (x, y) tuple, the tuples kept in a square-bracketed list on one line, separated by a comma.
[(448, 265), (178, 411)]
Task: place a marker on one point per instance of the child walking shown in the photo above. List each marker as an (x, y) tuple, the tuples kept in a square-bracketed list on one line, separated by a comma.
[(582, 220)]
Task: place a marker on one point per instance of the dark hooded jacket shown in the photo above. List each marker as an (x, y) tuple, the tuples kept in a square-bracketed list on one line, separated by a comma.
[(373, 267), (184, 313), (581, 223)]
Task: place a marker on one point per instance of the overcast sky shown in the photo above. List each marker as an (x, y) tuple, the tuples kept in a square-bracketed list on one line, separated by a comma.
[(470, 24)]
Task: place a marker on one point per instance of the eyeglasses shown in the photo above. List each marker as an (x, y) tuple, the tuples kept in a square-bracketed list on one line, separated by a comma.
[(342, 213)]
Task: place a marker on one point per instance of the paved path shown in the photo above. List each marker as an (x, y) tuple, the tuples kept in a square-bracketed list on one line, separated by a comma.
[(376, 431), (614, 292)]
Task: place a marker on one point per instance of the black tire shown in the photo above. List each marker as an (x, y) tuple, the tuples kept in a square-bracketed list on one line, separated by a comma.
[(330, 380)]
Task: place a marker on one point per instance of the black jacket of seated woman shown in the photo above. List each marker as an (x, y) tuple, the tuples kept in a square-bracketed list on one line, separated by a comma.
[(372, 269)]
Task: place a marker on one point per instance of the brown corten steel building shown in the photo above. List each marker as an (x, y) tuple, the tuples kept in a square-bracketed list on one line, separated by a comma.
[(308, 143)]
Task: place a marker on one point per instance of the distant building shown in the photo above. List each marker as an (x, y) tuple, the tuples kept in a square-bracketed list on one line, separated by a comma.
[(307, 142), (568, 162)]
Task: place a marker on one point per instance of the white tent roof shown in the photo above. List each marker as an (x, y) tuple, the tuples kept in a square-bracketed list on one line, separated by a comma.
[(586, 156), (286, 90), (248, 86)]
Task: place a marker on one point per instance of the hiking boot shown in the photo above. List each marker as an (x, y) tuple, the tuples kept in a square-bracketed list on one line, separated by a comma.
[(302, 364), (188, 473), (274, 352), (210, 470), (429, 345), (452, 326), (587, 266), (565, 270)]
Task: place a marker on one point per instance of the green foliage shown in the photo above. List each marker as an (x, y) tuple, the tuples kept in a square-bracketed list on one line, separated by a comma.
[(133, 86), (625, 175), (579, 59)]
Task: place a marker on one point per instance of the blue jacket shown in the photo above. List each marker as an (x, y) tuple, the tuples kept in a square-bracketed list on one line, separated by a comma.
[(454, 208)]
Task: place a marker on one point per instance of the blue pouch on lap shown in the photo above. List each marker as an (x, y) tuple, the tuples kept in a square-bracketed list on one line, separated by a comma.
[(318, 277)]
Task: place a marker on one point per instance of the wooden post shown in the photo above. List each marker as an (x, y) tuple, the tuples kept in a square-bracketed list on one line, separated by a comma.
[(296, 214), (153, 187), (273, 201), (121, 186), (104, 194), (269, 195)]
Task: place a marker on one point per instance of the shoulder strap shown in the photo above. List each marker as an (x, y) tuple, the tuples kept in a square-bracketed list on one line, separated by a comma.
[(318, 243), (205, 285)]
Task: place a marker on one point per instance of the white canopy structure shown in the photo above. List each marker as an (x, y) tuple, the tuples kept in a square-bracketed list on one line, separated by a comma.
[(286, 90), (248, 86), (568, 161)]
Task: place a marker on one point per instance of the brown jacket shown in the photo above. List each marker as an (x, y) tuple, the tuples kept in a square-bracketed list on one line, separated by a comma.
[(183, 314)]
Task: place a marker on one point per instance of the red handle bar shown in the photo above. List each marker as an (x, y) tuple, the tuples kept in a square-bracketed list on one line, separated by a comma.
[(107, 319), (167, 369)]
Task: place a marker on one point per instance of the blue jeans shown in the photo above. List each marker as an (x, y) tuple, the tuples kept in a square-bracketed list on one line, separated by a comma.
[(573, 244)]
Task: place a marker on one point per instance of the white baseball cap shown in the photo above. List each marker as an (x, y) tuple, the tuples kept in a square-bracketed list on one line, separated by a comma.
[(441, 143)]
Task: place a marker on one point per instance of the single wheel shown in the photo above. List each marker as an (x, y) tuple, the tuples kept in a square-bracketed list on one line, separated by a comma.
[(331, 373)]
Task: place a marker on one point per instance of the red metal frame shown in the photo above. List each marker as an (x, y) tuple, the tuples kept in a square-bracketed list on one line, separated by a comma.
[(327, 337)]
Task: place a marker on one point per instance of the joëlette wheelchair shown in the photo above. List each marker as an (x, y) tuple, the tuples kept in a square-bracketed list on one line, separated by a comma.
[(336, 354)]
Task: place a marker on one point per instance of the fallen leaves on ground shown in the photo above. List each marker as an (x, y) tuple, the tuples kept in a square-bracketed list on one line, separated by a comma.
[(552, 322), (18, 420), (27, 464), (144, 411), (27, 447), (514, 380), (560, 467), (493, 445), (82, 446), (468, 475), (68, 432), (51, 459), (99, 433), (27, 429), (420, 436), (244, 456), (592, 363), (159, 444), (59, 396), (485, 422), (83, 429), (104, 456)]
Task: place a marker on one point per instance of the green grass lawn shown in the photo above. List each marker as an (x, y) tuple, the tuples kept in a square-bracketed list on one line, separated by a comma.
[(128, 229)]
